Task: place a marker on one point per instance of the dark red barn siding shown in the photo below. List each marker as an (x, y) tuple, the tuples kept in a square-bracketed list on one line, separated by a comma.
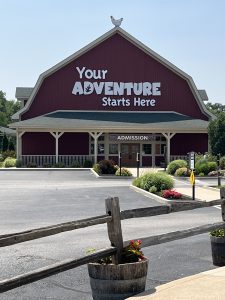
[(72, 143), (38, 143), (183, 143), (125, 63)]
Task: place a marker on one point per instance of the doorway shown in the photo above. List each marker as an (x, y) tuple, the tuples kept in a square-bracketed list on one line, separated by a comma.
[(129, 154)]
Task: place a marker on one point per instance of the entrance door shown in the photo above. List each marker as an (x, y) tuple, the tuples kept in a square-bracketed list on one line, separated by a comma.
[(129, 154)]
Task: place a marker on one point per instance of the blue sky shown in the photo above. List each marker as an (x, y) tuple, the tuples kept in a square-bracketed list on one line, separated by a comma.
[(37, 34)]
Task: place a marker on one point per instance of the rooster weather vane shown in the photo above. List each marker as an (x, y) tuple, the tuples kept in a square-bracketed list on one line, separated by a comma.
[(115, 22)]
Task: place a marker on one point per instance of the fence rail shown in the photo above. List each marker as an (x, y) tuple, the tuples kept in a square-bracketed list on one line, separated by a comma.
[(113, 219)]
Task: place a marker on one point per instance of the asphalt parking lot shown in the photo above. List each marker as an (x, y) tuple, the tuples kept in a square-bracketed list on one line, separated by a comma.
[(31, 199)]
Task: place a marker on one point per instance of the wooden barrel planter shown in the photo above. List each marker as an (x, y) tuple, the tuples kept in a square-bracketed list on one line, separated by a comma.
[(117, 282), (218, 250)]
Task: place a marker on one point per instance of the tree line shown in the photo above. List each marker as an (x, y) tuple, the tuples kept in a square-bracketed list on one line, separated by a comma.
[(216, 128), (7, 109)]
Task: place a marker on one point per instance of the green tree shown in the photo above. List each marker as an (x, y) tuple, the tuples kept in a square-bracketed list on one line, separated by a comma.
[(7, 109), (216, 132), (5, 143), (215, 108)]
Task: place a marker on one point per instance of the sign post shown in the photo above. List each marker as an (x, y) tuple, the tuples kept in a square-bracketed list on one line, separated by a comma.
[(192, 176), (218, 169), (120, 162), (138, 163)]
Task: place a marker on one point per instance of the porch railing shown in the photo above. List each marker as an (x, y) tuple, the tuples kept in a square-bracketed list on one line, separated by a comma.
[(50, 160)]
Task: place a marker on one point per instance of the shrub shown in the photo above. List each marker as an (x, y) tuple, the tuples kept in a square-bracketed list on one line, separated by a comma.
[(219, 232), (1, 164), (176, 164), (201, 174), (107, 166), (59, 165), (75, 164), (170, 194), (9, 162), (46, 165), (18, 163), (88, 164), (160, 180), (31, 165), (8, 153), (137, 182), (124, 172), (205, 167), (182, 172), (153, 189), (97, 169), (222, 162)]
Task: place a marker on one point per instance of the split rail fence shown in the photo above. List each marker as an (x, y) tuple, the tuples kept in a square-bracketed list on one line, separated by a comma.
[(113, 219)]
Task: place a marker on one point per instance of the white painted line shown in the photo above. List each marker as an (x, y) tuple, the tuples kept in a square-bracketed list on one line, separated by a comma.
[(217, 206)]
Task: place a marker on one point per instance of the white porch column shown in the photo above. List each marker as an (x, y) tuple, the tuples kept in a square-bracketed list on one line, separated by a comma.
[(57, 135), (19, 143), (168, 137), (95, 136), (107, 145)]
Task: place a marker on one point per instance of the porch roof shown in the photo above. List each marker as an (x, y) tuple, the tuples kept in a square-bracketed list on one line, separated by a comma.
[(81, 121)]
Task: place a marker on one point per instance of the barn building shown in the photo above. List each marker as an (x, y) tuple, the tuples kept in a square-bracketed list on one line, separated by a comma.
[(114, 96)]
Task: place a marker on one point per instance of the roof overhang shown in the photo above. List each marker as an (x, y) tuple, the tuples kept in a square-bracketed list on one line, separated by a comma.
[(137, 122)]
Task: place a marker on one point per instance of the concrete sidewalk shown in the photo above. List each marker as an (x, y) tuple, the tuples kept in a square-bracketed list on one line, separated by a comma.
[(201, 193), (208, 285)]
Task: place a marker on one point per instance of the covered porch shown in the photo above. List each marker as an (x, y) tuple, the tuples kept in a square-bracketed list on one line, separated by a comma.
[(97, 134)]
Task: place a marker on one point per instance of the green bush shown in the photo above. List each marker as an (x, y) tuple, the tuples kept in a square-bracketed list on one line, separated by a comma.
[(47, 165), (153, 189), (205, 167), (75, 164), (222, 162), (8, 153), (18, 163), (160, 180), (88, 164), (201, 174), (9, 162), (97, 169), (107, 166), (1, 164), (31, 165), (124, 172), (182, 172), (59, 165), (137, 182), (176, 164)]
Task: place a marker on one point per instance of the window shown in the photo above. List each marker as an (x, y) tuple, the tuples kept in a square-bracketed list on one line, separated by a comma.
[(113, 148), (147, 148), (159, 149), (101, 149)]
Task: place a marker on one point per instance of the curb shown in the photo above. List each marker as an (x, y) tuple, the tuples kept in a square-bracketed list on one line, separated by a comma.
[(110, 176), (161, 199), (44, 169)]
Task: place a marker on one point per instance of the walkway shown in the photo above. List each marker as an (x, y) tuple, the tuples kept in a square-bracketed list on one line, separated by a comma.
[(208, 285)]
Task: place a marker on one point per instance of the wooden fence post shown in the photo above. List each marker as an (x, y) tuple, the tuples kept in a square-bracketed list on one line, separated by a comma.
[(222, 196), (114, 227)]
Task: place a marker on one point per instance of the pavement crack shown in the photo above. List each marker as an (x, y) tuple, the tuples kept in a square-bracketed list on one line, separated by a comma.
[(68, 288)]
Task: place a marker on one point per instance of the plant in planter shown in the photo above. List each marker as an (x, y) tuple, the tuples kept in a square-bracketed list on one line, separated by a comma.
[(217, 238), (119, 281)]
